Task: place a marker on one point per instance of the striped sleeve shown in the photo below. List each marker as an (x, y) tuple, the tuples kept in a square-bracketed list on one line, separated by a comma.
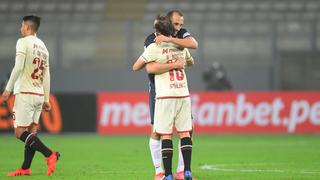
[(183, 33)]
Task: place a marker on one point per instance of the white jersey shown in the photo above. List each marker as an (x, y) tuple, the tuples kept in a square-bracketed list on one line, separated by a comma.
[(172, 84), (31, 73)]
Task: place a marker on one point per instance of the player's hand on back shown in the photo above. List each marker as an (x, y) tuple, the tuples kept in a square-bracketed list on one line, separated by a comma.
[(161, 38), (46, 106), (6, 95)]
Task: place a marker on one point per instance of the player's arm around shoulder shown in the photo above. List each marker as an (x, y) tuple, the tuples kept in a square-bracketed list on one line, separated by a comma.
[(139, 64), (159, 68), (188, 42), (185, 39)]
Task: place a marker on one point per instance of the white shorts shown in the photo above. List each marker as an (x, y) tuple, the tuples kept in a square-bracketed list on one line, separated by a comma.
[(172, 112), (27, 109)]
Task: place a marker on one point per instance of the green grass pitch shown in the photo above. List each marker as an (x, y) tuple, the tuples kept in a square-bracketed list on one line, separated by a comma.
[(214, 157)]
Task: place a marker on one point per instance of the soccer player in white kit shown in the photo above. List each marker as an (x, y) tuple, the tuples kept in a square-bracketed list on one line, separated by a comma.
[(184, 39), (173, 104), (30, 82)]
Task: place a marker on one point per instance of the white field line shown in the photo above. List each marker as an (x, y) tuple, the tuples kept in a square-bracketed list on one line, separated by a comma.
[(224, 167)]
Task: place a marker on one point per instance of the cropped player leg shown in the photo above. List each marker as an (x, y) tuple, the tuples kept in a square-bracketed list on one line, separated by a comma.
[(184, 125), (163, 125), (155, 149), (28, 151), (31, 140), (180, 167), (35, 143), (22, 120), (154, 141), (167, 151), (22, 171), (186, 149), (180, 159)]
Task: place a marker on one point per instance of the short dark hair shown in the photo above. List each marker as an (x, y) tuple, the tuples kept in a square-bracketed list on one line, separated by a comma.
[(34, 22), (170, 13), (163, 25)]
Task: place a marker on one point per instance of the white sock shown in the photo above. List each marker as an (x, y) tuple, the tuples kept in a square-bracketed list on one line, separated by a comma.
[(180, 160), (155, 149)]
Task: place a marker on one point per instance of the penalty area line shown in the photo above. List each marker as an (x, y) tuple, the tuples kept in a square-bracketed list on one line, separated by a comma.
[(226, 169)]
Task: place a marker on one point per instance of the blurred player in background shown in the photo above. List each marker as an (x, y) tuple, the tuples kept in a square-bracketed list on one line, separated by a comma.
[(216, 78), (30, 80), (182, 38), (173, 104)]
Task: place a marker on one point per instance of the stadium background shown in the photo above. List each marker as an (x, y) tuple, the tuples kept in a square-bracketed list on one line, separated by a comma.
[(268, 49), (264, 45)]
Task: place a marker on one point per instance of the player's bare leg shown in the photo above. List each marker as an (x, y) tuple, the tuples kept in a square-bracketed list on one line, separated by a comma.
[(186, 149), (155, 149)]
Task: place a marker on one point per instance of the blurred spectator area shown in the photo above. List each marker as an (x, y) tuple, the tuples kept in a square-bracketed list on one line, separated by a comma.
[(263, 45)]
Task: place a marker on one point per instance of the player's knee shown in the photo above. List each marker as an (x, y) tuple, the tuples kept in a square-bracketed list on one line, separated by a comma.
[(17, 134), (155, 136), (167, 136), (34, 129), (22, 133), (184, 135)]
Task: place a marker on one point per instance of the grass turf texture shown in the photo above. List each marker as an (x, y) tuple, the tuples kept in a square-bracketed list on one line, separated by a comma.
[(214, 157)]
